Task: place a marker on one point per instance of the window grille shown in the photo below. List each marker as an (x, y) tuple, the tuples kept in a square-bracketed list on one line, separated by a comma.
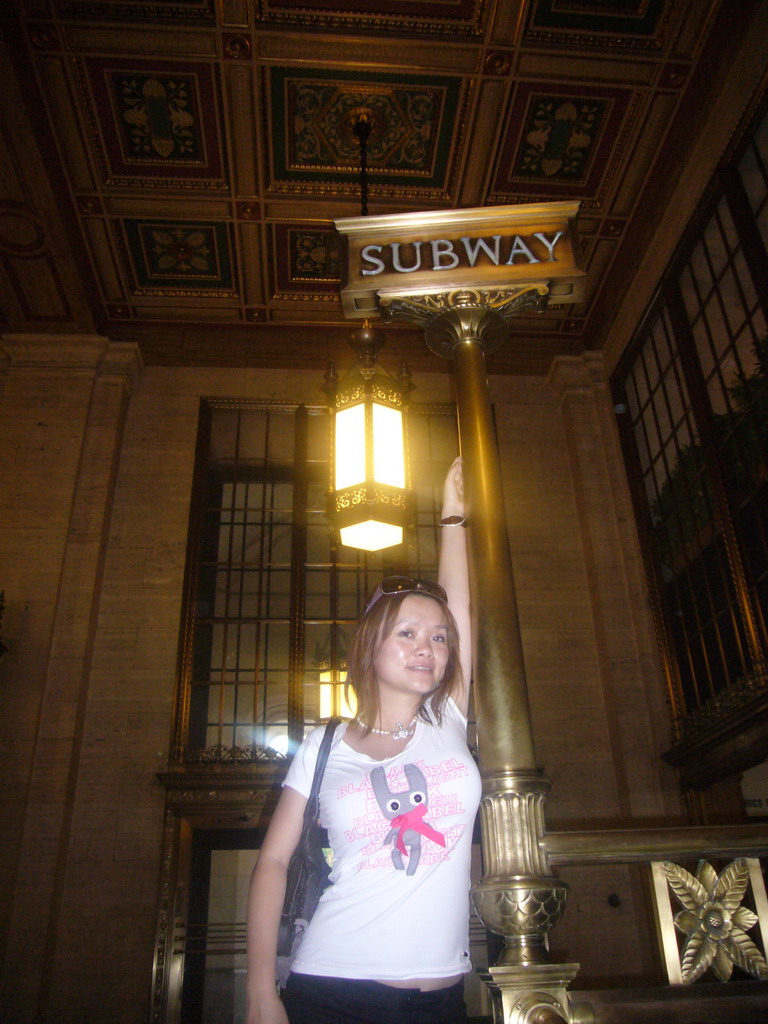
[(693, 393), (271, 599)]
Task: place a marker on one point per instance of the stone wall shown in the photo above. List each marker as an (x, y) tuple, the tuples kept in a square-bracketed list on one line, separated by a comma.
[(97, 466)]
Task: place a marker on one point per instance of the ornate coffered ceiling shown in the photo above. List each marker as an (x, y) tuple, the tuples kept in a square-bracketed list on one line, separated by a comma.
[(173, 169)]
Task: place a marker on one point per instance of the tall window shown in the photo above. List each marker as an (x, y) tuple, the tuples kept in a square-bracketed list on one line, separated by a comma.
[(694, 391), (271, 599)]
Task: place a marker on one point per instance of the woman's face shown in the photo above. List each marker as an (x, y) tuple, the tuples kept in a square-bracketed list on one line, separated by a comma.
[(411, 659)]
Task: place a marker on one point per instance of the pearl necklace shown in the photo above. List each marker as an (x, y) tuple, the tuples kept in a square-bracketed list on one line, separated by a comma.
[(400, 731)]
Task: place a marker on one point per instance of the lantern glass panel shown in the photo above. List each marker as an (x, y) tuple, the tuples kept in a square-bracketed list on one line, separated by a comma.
[(350, 446), (333, 698), (371, 535), (388, 460)]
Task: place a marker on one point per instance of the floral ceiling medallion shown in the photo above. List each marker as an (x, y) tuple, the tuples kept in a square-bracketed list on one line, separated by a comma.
[(714, 921)]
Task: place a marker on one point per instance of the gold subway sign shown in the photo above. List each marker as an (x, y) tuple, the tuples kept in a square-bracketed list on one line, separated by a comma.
[(487, 248), (445, 254)]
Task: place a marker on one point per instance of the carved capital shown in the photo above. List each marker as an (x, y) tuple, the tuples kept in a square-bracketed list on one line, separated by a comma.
[(464, 314), (512, 815)]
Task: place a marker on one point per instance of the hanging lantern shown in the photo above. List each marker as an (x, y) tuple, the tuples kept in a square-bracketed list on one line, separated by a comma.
[(369, 503)]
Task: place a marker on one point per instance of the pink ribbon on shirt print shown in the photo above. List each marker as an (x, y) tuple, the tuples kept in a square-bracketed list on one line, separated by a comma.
[(414, 819)]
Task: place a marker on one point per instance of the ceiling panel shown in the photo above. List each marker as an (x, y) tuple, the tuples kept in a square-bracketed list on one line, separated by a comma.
[(197, 153), (411, 149)]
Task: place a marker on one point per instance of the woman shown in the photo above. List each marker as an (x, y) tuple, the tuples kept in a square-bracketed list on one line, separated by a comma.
[(389, 941)]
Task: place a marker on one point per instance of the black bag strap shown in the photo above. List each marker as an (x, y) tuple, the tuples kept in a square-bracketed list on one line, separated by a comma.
[(312, 810)]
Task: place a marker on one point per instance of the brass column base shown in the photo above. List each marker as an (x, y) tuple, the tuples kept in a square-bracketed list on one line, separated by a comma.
[(534, 994), (519, 898), (523, 910)]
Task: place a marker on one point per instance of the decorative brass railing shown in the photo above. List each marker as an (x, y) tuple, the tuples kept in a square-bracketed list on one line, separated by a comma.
[(713, 927), (638, 845)]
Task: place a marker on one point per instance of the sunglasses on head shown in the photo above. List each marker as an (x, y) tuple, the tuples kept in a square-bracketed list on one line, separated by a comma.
[(407, 585)]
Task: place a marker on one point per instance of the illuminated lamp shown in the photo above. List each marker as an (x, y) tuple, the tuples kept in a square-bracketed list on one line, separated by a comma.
[(369, 503)]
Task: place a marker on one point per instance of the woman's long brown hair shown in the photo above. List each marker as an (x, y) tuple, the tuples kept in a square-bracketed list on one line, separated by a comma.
[(373, 626)]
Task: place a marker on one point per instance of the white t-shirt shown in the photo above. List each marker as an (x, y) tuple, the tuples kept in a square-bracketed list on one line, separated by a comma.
[(401, 835)]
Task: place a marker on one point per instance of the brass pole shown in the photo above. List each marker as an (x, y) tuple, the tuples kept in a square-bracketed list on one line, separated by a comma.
[(501, 695), (518, 897)]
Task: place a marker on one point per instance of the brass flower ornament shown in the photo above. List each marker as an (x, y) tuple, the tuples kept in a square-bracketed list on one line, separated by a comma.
[(714, 922)]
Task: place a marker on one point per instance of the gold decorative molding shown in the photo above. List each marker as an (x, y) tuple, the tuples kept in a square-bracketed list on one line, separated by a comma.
[(725, 735), (713, 919), (505, 301), (218, 754)]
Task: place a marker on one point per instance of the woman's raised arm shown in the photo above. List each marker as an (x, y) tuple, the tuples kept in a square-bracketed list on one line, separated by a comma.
[(453, 573)]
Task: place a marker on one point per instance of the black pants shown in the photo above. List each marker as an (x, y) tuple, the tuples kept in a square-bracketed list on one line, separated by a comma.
[(312, 1000)]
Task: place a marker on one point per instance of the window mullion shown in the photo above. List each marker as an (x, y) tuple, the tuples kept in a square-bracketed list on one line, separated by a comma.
[(298, 580), (644, 524), (259, 672), (186, 661), (752, 243)]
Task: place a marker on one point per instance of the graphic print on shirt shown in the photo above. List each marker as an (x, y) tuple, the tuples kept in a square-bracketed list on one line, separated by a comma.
[(405, 810)]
